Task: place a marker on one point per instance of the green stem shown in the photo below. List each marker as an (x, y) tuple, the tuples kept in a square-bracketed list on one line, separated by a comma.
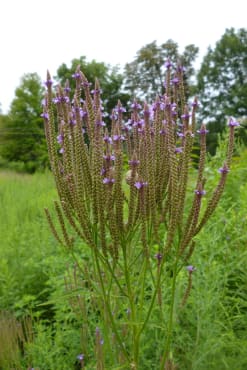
[(107, 303), (135, 338), (170, 323)]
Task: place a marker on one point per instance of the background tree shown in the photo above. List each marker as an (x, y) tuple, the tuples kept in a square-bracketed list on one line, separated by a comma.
[(144, 77), (22, 131), (110, 79), (222, 82)]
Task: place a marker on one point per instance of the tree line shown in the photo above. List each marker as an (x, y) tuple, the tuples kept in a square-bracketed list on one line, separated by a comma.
[(220, 84)]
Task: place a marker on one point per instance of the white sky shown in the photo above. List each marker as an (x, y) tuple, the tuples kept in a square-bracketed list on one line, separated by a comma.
[(39, 35)]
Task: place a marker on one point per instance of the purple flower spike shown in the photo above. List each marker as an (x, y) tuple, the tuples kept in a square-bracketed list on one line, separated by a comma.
[(233, 123), (140, 184), (190, 268), (179, 150)]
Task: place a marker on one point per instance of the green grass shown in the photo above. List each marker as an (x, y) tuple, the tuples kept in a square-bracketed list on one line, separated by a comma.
[(210, 332)]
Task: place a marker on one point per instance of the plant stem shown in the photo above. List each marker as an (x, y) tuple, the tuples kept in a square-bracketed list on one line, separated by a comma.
[(170, 322)]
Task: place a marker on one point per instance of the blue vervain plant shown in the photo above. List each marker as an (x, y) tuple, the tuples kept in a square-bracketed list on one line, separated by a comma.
[(126, 192)]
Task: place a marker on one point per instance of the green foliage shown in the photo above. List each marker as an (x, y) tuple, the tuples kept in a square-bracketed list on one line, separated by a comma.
[(222, 87), (25, 242), (22, 132), (145, 76)]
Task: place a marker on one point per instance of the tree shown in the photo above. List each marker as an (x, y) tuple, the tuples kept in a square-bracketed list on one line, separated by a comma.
[(23, 138), (144, 77), (222, 82), (110, 80)]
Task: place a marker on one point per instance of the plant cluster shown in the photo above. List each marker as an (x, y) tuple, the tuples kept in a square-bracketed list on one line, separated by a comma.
[(129, 193)]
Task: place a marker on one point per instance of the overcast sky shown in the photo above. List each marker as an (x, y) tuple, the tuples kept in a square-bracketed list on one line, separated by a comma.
[(39, 35)]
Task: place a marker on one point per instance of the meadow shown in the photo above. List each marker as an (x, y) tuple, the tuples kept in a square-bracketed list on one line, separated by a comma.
[(42, 314)]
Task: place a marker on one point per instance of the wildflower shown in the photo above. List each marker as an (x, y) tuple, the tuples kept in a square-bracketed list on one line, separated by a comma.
[(107, 139), (179, 150), (108, 180), (140, 184), (168, 64), (118, 138), (186, 115), (67, 89), (136, 105), (202, 131), (61, 151), (224, 169), (109, 157), (100, 123), (158, 256), (190, 268), (233, 123), (80, 357), (175, 81), (48, 82), (134, 162), (60, 139), (180, 134), (76, 76), (45, 115), (200, 192)]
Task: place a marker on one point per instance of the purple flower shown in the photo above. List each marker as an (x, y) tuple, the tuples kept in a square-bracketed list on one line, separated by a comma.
[(158, 256), (186, 115), (109, 157), (45, 115), (134, 162), (200, 192), (67, 89), (107, 139), (100, 123), (195, 103), (61, 150), (168, 64), (140, 184), (180, 134), (136, 105), (118, 138), (80, 357), (190, 268), (233, 123), (76, 75), (202, 131), (108, 180), (96, 91), (224, 169), (162, 132), (48, 83), (175, 81), (56, 100), (178, 150), (120, 109), (60, 139)]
